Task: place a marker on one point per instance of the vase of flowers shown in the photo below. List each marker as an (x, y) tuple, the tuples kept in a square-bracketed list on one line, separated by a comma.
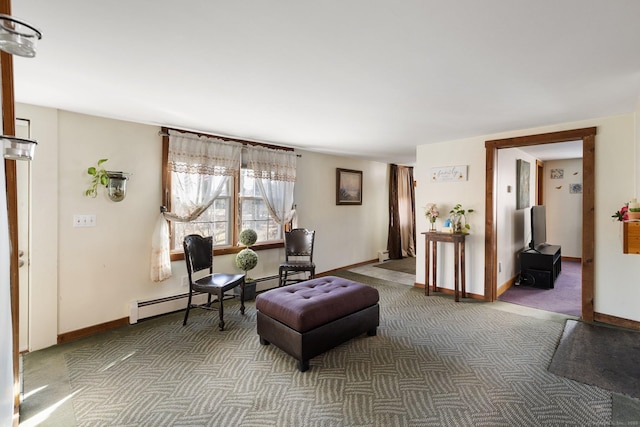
[(629, 212), (432, 212), (621, 215)]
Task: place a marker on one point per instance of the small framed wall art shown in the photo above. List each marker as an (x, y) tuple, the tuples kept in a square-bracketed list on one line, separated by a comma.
[(575, 188), (557, 173), (523, 184), (348, 187)]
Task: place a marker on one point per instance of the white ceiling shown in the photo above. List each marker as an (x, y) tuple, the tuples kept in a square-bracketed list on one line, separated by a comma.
[(366, 78)]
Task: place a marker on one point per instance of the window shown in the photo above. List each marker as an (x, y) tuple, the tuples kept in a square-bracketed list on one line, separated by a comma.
[(216, 221), (238, 204), (254, 213)]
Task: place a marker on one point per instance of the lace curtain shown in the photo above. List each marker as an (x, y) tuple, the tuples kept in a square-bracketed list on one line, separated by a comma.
[(200, 167), (275, 175)]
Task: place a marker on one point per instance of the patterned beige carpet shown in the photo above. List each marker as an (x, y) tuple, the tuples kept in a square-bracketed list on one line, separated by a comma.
[(434, 362)]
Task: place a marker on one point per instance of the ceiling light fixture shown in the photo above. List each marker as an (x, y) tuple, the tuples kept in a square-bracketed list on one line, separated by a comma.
[(17, 37), (18, 148)]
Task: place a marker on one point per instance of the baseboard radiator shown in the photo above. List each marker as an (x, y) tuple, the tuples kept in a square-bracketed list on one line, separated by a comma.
[(140, 310)]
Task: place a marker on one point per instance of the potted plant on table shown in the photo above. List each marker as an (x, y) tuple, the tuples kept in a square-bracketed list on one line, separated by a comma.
[(458, 215)]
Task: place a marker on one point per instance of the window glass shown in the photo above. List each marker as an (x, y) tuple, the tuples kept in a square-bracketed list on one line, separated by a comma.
[(253, 210)]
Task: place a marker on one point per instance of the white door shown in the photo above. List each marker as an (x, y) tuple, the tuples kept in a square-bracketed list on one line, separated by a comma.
[(23, 178)]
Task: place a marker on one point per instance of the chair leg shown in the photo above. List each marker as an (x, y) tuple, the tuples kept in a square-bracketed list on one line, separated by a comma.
[(313, 273), (221, 311), (186, 314), (280, 271)]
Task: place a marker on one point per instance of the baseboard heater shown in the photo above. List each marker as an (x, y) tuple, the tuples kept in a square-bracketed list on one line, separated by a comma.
[(140, 310)]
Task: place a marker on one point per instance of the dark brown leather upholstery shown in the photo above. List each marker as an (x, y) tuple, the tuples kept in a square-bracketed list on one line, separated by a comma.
[(198, 254), (328, 310), (298, 252)]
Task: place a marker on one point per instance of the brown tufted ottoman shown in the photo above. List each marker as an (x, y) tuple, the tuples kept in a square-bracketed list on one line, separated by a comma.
[(309, 318)]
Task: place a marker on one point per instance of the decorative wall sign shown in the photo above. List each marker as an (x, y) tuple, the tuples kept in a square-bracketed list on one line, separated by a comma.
[(348, 187), (557, 173), (575, 188), (523, 173), (449, 173)]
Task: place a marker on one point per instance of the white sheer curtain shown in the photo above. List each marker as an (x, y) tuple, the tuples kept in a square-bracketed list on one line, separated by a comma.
[(200, 167), (275, 174)]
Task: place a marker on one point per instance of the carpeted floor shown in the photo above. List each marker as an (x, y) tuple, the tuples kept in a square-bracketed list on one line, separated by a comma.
[(565, 297), (434, 362), (602, 356), (404, 265)]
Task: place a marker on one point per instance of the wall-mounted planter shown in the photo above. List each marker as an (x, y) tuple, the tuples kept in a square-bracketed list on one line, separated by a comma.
[(117, 185), (631, 243), (115, 182)]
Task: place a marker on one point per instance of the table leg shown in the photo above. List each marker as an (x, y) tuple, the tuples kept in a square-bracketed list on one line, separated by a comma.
[(462, 270), (456, 256), (426, 266), (435, 265)]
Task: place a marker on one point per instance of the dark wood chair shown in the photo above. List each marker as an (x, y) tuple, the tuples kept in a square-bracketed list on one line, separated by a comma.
[(198, 254), (298, 252)]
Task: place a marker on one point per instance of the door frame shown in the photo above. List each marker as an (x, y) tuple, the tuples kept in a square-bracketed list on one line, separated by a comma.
[(588, 137)]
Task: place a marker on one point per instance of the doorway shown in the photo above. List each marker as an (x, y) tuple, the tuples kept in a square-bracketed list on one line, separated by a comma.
[(587, 135), (23, 184), (556, 176)]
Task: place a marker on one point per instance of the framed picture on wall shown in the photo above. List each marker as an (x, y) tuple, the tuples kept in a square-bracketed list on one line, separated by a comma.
[(557, 173), (575, 188), (523, 183), (348, 187)]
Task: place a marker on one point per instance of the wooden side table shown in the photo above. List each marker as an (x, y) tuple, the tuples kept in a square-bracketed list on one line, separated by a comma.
[(431, 242)]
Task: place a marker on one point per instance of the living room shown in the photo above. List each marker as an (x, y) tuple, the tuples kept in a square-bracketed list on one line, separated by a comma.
[(85, 279)]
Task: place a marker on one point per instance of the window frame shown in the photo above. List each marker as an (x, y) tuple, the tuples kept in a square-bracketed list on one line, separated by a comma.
[(177, 255)]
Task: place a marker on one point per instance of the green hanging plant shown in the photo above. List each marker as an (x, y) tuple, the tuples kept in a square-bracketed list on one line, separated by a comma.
[(100, 177)]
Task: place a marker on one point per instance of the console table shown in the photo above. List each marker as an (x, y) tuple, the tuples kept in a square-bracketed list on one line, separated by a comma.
[(542, 266), (432, 238)]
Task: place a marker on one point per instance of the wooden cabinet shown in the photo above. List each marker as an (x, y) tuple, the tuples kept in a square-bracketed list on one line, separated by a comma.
[(631, 233)]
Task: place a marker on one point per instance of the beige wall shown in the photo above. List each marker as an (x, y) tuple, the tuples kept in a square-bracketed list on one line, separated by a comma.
[(514, 224), (564, 209), (616, 292), (87, 276)]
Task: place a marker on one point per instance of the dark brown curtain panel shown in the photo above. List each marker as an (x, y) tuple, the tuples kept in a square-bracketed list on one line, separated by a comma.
[(402, 229), (394, 241)]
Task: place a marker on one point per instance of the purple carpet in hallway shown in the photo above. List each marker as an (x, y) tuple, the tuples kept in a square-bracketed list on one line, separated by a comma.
[(565, 297)]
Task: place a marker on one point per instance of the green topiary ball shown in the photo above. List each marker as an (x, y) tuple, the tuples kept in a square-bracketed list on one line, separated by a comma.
[(246, 259), (248, 237)]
